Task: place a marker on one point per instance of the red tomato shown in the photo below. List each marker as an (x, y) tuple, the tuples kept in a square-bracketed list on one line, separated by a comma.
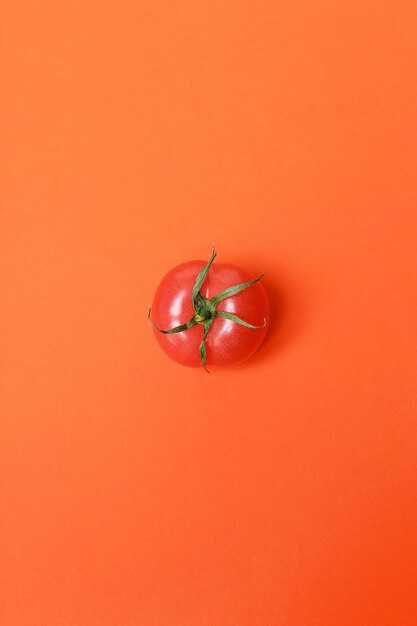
[(227, 342)]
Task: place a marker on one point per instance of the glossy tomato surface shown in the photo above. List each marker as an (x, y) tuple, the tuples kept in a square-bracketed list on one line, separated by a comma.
[(227, 342)]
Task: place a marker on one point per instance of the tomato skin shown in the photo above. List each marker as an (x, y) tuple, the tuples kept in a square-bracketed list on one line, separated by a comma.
[(227, 342)]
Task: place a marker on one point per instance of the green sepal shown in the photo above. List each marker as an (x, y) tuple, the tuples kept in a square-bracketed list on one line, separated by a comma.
[(199, 302), (238, 320), (201, 277), (203, 352), (231, 291), (176, 329)]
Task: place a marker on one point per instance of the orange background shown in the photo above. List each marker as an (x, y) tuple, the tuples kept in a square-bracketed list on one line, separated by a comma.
[(135, 136)]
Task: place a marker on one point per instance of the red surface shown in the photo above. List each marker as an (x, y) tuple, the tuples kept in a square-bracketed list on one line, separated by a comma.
[(136, 136)]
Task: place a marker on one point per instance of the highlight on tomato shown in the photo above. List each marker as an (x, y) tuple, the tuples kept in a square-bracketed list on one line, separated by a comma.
[(207, 314)]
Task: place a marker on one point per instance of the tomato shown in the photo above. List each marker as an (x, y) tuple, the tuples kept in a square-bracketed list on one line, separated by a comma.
[(205, 314)]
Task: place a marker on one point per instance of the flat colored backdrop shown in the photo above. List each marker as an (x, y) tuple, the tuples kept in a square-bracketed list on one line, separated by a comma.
[(135, 136)]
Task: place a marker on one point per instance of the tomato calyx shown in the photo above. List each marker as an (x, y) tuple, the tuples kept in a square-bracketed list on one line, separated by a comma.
[(205, 310)]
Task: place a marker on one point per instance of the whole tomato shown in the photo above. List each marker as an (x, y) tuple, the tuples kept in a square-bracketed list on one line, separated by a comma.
[(205, 314)]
